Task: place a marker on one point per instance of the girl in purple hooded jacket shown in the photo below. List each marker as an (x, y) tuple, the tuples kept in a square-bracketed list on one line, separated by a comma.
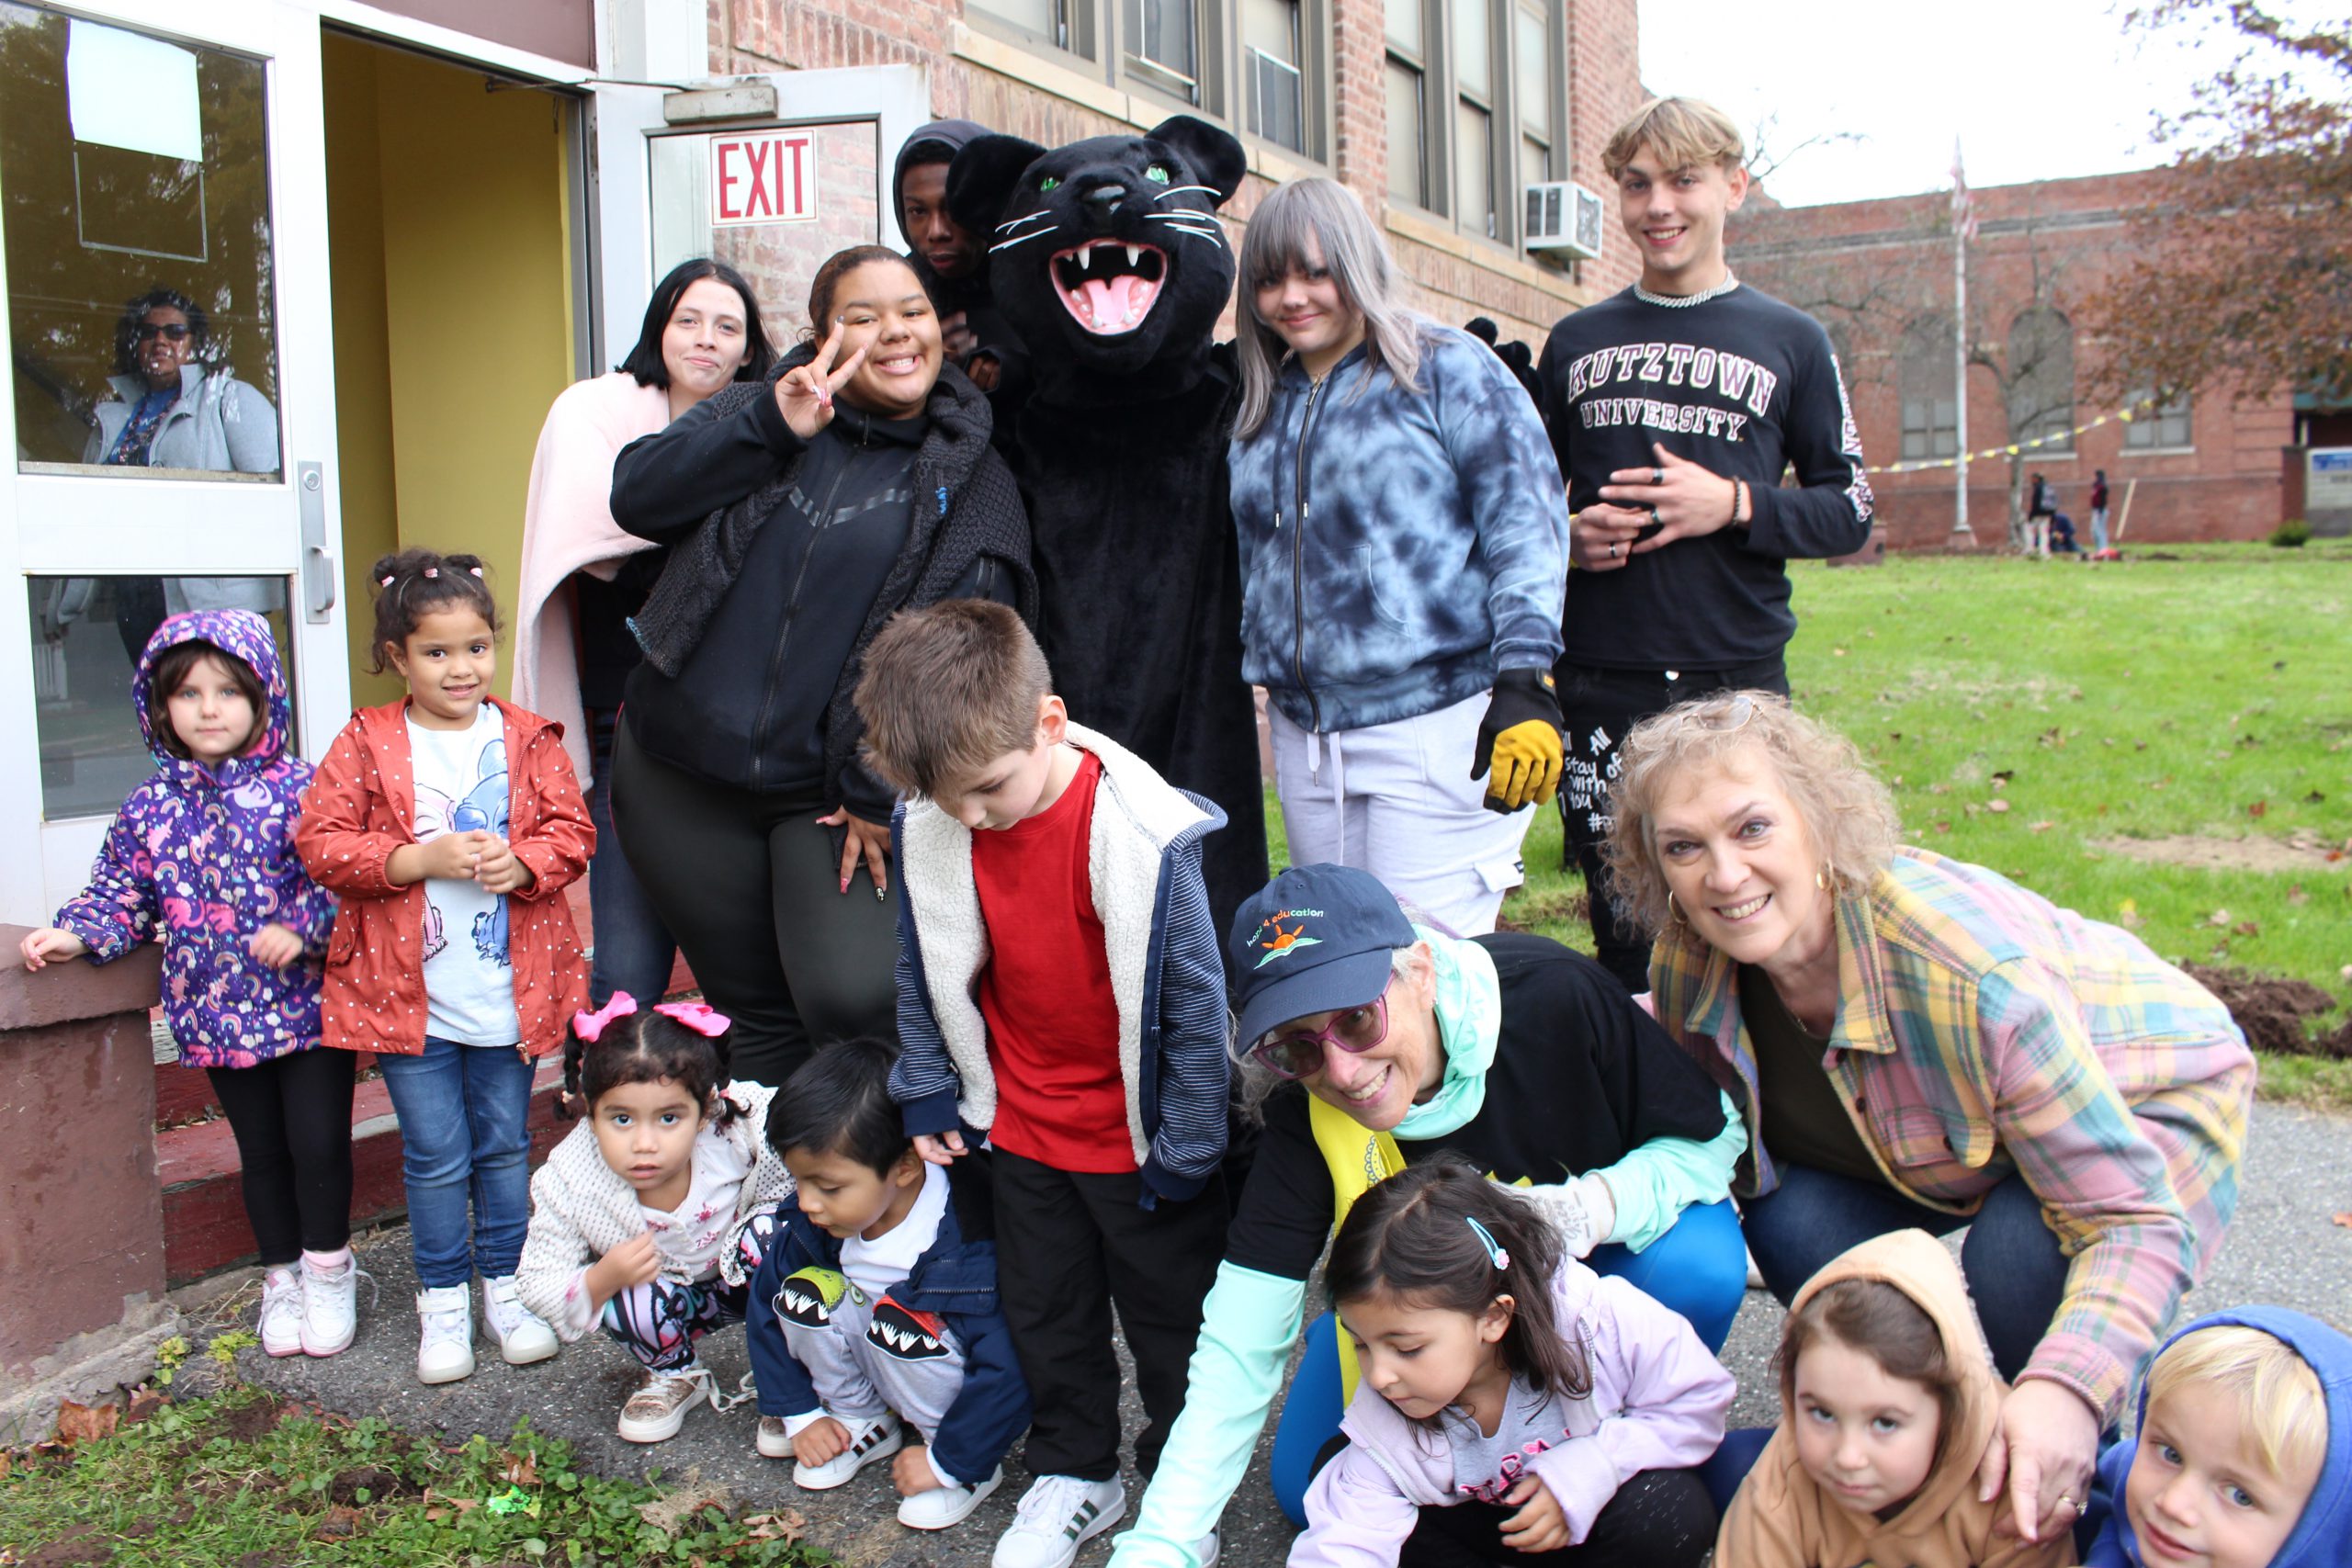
[(1514, 1406), (203, 854)]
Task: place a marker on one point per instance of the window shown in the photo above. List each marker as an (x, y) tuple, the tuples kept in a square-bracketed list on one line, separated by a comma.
[(1474, 119), (1163, 46), (1047, 20), (1930, 413), (2041, 378), (1531, 84), (1407, 104), (136, 178), (2166, 426), (1273, 87)]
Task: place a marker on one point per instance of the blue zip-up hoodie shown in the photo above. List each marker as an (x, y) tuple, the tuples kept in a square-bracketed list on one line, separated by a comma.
[(2323, 1536), (204, 853), (1398, 550), (954, 1279), (1167, 971)]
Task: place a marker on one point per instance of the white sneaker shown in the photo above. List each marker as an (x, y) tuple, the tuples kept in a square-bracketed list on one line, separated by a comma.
[(1058, 1514), (523, 1337), (868, 1440), (330, 1300), (945, 1506), (281, 1313), (446, 1351), (1204, 1550), (658, 1408)]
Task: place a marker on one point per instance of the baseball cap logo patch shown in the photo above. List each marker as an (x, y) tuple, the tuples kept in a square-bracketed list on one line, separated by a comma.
[(1281, 940)]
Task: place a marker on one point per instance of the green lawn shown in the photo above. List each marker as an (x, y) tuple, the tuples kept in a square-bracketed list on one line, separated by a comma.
[(2031, 717)]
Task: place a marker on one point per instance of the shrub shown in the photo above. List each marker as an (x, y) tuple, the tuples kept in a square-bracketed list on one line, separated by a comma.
[(2292, 535)]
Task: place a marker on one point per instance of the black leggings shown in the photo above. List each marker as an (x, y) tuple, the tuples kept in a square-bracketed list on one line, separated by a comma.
[(292, 1116), (1661, 1518), (750, 884)]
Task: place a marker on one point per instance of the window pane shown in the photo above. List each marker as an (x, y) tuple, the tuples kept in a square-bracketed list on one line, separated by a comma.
[(1473, 47), (2159, 427), (1160, 41), (1270, 26), (779, 260), (1405, 159), (1405, 24), (87, 633), (1535, 160), (1270, 78), (1040, 17), (1532, 64), (136, 175), (1473, 169)]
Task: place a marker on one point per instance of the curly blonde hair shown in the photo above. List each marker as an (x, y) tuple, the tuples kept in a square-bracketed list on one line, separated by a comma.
[(1847, 810)]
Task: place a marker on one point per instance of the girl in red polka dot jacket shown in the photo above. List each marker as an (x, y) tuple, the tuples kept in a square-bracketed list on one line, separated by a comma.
[(449, 823)]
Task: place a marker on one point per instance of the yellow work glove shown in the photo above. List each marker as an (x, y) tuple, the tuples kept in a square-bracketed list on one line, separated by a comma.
[(1520, 740)]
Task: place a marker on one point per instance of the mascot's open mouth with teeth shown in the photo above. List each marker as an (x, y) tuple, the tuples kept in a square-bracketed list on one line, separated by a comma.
[(1108, 285), (1110, 246)]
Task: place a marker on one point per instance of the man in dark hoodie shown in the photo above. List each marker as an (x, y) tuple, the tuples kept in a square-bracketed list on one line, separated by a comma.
[(953, 263)]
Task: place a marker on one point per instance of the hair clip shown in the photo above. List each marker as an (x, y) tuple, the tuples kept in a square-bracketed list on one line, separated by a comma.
[(475, 569), (385, 582), (432, 572), (1495, 1254), (590, 1026), (700, 1017)]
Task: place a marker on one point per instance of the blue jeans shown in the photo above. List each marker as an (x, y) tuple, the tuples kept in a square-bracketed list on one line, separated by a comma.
[(1699, 1268), (462, 1110), (2016, 1273), (634, 950)]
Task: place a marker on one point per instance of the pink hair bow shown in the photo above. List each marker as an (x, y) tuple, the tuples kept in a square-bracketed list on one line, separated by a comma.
[(589, 1026), (700, 1017)]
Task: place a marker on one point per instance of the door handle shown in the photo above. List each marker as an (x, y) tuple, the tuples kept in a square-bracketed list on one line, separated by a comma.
[(319, 584)]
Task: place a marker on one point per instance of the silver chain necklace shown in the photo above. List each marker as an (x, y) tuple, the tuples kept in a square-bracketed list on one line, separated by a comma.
[(1684, 301)]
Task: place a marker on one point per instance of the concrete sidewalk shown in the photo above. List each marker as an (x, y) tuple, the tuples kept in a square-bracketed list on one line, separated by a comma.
[(2283, 1248)]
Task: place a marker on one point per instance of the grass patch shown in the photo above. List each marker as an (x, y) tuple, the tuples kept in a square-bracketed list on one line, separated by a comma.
[(2049, 720), (240, 1480)]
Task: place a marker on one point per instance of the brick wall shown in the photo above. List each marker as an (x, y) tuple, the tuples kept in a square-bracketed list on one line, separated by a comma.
[(1454, 277), (1871, 269)]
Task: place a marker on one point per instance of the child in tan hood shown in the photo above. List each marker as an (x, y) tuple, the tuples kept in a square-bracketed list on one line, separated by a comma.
[(1888, 1397)]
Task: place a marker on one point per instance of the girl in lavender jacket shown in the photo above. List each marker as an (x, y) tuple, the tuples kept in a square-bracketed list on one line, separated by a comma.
[(202, 855), (1515, 1406)]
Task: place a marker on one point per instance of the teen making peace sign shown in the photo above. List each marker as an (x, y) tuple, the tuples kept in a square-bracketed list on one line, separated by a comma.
[(802, 512)]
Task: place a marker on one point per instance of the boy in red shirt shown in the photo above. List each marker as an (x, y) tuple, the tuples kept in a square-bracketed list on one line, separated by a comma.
[(1061, 990)]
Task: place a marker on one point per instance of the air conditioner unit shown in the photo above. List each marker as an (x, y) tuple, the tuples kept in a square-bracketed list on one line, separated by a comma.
[(1564, 216)]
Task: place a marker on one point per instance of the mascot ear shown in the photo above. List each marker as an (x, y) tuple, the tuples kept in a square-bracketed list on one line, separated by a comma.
[(980, 180), (1214, 155)]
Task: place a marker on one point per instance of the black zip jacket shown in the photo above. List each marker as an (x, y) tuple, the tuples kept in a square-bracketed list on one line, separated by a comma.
[(786, 557)]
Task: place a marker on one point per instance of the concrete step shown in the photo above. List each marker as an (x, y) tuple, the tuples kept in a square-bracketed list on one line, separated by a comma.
[(204, 1211)]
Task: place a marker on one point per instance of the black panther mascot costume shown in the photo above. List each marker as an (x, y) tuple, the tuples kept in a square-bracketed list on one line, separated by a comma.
[(1108, 260)]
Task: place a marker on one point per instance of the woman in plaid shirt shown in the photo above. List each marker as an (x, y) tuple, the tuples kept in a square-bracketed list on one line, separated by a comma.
[(1916, 1040)]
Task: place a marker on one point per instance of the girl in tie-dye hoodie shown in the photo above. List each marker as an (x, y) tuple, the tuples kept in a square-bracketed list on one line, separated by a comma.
[(202, 856)]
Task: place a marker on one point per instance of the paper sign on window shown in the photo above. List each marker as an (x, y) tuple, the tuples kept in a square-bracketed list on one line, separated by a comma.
[(764, 177)]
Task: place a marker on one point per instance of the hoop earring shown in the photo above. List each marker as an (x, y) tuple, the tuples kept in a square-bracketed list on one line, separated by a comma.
[(1671, 912), (1821, 878)]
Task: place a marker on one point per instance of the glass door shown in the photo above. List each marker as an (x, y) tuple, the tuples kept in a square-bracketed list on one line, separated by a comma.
[(170, 389)]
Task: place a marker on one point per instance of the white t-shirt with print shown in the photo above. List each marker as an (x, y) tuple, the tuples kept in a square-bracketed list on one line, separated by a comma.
[(468, 978), (875, 1266), (691, 1236)]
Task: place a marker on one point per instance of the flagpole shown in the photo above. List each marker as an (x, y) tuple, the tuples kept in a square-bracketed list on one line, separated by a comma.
[(1961, 221)]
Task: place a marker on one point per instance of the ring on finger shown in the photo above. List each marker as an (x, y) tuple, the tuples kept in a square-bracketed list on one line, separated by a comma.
[(1613, 548), (1653, 512), (2068, 1503), (1657, 476)]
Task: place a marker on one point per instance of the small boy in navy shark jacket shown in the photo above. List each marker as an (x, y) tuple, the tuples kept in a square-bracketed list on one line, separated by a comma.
[(875, 1309)]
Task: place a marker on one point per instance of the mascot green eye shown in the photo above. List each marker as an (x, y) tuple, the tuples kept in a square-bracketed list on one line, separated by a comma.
[(1048, 183), (1157, 174)]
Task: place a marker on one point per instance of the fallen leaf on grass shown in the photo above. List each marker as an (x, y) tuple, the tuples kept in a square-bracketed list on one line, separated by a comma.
[(2001, 779), (1837, 653), (340, 1521), (521, 1470), (85, 1423), (2315, 798), (2247, 928), (785, 1524), (2258, 809), (439, 1506), (1997, 805), (2295, 894), (2128, 913), (145, 1401), (666, 1514), (1939, 789), (2218, 917), (1943, 827), (2043, 826)]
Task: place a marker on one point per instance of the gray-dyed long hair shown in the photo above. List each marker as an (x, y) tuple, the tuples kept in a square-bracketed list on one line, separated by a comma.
[(1298, 221)]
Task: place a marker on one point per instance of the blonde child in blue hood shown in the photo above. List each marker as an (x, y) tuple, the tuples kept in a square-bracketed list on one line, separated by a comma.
[(2244, 1458)]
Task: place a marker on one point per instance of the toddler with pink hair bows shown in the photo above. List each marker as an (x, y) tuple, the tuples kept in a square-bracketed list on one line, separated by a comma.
[(650, 1218)]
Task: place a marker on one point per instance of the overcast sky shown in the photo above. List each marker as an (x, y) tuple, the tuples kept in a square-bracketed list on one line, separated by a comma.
[(2036, 89)]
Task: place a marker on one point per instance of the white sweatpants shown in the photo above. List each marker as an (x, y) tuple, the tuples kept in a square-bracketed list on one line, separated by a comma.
[(1397, 800)]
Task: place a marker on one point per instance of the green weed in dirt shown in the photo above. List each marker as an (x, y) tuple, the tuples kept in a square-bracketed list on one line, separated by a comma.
[(240, 1481)]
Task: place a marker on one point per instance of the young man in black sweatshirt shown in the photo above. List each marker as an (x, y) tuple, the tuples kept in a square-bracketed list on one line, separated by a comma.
[(1675, 408)]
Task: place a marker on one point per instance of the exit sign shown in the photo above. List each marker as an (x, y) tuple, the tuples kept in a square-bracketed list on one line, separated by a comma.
[(765, 176)]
